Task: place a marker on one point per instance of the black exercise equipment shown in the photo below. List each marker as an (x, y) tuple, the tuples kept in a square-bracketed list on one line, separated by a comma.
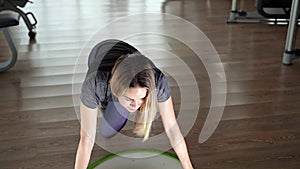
[(15, 5), (283, 5), (267, 11)]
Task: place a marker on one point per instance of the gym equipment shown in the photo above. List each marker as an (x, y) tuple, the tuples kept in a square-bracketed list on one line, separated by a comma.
[(13, 5), (8, 19), (273, 11), (290, 52), (137, 159), (268, 11)]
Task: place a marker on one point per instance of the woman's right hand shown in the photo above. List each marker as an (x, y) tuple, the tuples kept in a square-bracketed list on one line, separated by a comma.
[(88, 126)]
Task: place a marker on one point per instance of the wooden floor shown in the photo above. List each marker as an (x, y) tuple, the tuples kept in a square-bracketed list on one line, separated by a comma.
[(260, 124)]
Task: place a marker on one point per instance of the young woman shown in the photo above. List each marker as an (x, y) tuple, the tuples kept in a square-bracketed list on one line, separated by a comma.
[(120, 81)]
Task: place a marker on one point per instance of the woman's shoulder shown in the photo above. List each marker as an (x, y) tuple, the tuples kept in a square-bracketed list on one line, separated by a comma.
[(162, 85), (160, 77)]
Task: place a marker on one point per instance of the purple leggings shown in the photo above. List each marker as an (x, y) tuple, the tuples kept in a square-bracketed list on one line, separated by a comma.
[(114, 119)]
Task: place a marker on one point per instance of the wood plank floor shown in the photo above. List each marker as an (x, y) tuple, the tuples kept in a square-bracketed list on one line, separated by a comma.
[(260, 124)]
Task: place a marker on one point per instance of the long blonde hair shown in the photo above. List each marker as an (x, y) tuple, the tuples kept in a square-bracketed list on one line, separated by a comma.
[(135, 70)]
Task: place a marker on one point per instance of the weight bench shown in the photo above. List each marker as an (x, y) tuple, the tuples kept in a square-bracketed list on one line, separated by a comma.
[(8, 19)]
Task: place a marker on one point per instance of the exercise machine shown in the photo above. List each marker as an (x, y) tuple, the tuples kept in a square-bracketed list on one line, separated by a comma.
[(267, 11), (15, 5), (273, 11)]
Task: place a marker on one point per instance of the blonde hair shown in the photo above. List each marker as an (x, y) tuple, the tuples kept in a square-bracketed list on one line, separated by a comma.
[(135, 70)]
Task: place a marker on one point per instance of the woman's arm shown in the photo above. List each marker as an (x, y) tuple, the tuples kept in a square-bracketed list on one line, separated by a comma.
[(87, 136), (173, 132)]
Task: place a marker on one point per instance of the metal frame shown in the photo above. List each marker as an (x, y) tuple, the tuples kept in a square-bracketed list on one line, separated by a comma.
[(240, 16), (237, 16), (290, 52), (5, 65), (10, 5)]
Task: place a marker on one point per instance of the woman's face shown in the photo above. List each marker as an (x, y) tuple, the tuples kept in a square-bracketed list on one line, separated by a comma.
[(133, 98)]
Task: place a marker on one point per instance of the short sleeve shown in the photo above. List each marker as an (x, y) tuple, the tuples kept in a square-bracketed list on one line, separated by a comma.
[(88, 93), (162, 87)]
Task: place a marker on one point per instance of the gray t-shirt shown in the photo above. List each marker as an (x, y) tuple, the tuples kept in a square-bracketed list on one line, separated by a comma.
[(95, 89)]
